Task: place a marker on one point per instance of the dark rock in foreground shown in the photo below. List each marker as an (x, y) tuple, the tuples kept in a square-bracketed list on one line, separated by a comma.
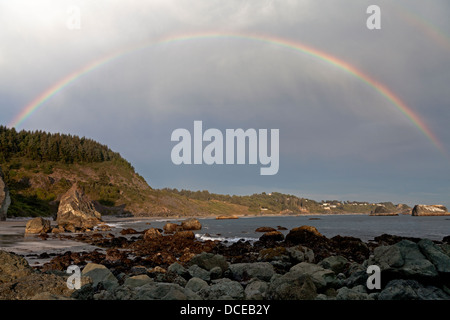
[(306, 265)]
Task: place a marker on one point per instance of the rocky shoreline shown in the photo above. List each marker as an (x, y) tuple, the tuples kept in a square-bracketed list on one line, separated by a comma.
[(171, 264)]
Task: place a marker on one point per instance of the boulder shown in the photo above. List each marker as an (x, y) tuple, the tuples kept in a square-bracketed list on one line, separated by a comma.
[(291, 286), (246, 271), (179, 270), (196, 272), (184, 235), (223, 289), (356, 293), (170, 227), (76, 211), (191, 224), (38, 225), (13, 267), (403, 260), (321, 277), (123, 231), (272, 236), (429, 210), (137, 281), (401, 289), (100, 275), (274, 254), (305, 235), (208, 261), (196, 284), (256, 290), (301, 254), (5, 199), (149, 291), (335, 263), (151, 234), (436, 255), (34, 285)]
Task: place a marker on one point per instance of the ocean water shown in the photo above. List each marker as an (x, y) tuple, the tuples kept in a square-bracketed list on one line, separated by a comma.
[(361, 226), (365, 227)]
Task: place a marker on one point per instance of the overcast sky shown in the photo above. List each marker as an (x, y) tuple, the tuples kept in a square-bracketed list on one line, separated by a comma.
[(339, 137)]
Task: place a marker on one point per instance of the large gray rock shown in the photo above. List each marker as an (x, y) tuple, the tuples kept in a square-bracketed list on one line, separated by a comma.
[(387, 257), (149, 291), (401, 289), (335, 263), (179, 270), (436, 255), (355, 293), (196, 284), (209, 261), (429, 210), (301, 254), (5, 199), (223, 289), (246, 271), (321, 277), (196, 272), (76, 211), (293, 285), (404, 260), (256, 290), (100, 275)]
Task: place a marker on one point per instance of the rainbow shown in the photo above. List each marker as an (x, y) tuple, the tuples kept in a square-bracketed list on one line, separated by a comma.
[(293, 45), (432, 31)]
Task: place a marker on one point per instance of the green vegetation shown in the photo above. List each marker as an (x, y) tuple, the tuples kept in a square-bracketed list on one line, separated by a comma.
[(39, 167), (47, 147), (272, 203)]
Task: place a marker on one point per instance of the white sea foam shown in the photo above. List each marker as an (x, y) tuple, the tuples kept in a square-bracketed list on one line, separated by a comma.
[(204, 237)]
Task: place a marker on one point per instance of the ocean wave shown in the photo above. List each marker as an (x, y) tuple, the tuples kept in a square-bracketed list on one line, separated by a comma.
[(204, 237)]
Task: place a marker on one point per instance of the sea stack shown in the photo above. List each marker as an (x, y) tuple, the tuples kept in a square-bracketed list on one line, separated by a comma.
[(76, 212), (5, 199), (429, 210)]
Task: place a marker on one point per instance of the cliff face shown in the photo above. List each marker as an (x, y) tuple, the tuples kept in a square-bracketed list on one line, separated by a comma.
[(429, 210), (5, 199)]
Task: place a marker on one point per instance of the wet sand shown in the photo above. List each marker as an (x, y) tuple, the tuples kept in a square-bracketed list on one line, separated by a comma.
[(32, 247)]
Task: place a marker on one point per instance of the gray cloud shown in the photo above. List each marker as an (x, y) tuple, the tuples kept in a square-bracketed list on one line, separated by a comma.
[(337, 132)]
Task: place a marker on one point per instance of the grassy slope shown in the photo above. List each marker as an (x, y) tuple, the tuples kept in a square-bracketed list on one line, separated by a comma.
[(36, 188)]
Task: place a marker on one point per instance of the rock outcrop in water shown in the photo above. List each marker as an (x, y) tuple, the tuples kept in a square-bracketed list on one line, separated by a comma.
[(76, 212), (430, 210), (5, 199)]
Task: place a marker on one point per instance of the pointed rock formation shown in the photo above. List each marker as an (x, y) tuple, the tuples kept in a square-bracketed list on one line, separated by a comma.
[(5, 199), (76, 212)]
